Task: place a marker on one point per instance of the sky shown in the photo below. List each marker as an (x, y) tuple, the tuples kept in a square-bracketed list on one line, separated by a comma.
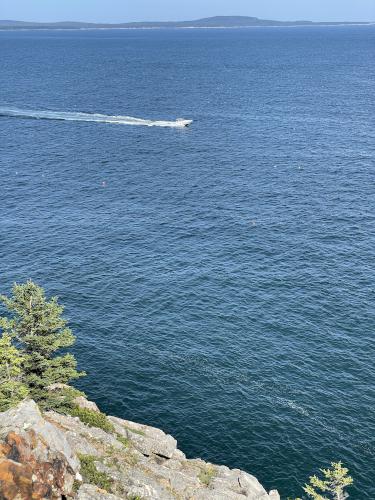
[(178, 10)]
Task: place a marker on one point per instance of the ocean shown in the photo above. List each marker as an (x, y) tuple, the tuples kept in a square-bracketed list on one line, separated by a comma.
[(220, 278)]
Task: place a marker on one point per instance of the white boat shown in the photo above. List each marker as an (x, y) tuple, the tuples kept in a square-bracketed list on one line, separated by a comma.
[(181, 122)]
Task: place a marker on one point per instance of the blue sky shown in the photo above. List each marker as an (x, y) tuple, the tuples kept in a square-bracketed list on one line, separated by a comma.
[(144, 10)]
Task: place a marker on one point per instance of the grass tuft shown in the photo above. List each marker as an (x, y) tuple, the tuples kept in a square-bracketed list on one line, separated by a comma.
[(90, 473), (123, 440), (207, 474)]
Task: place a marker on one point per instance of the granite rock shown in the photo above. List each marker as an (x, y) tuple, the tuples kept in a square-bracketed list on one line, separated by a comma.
[(39, 459), (36, 460)]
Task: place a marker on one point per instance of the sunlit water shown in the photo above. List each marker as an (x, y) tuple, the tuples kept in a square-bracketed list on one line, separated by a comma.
[(219, 278)]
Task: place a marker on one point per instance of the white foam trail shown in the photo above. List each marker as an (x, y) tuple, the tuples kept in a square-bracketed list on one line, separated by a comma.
[(95, 117)]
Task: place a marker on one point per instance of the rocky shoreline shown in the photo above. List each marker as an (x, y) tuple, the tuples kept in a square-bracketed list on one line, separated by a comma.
[(54, 456)]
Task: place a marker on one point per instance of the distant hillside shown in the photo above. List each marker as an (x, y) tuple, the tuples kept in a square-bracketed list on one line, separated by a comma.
[(209, 22), (12, 23)]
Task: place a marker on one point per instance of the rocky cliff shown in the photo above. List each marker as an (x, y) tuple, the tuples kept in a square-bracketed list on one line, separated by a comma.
[(55, 456)]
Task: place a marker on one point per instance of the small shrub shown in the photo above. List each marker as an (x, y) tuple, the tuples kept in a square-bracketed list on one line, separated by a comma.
[(60, 400), (207, 474), (90, 473), (92, 418)]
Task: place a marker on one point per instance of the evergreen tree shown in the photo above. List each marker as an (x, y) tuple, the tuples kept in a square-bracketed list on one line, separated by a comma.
[(36, 323), (12, 388), (334, 483)]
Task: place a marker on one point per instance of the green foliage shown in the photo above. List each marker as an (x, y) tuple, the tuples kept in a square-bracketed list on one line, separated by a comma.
[(334, 482), (92, 418), (12, 388), (90, 473), (207, 474), (76, 486), (61, 401), (123, 440), (36, 323)]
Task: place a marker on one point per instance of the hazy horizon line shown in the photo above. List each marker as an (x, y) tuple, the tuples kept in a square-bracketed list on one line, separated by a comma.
[(183, 20)]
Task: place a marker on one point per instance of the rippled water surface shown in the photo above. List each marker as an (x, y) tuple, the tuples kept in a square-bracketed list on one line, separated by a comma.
[(219, 278)]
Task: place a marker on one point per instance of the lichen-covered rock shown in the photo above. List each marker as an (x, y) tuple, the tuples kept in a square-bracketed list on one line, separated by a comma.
[(137, 480), (82, 438), (145, 492), (238, 483), (91, 492), (148, 440), (36, 460)]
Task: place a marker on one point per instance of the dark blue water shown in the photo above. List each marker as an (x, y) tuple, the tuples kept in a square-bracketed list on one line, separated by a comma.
[(220, 279)]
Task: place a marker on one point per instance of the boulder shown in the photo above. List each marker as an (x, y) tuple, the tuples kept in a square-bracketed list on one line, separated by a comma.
[(85, 404), (36, 460), (239, 483), (274, 495), (148, 440), (82, 438)]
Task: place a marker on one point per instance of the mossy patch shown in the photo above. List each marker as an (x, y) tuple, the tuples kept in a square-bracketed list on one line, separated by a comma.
[(76, 486), (92, 418), (91, 475)]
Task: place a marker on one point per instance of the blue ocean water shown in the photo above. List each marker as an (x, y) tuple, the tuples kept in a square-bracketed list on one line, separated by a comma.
[(219, 278)]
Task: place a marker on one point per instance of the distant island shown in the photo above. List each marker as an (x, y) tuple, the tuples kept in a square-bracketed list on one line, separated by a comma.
[(209, 22)]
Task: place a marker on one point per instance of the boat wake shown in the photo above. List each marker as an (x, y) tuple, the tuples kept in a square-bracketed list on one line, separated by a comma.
[(94, 117)]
